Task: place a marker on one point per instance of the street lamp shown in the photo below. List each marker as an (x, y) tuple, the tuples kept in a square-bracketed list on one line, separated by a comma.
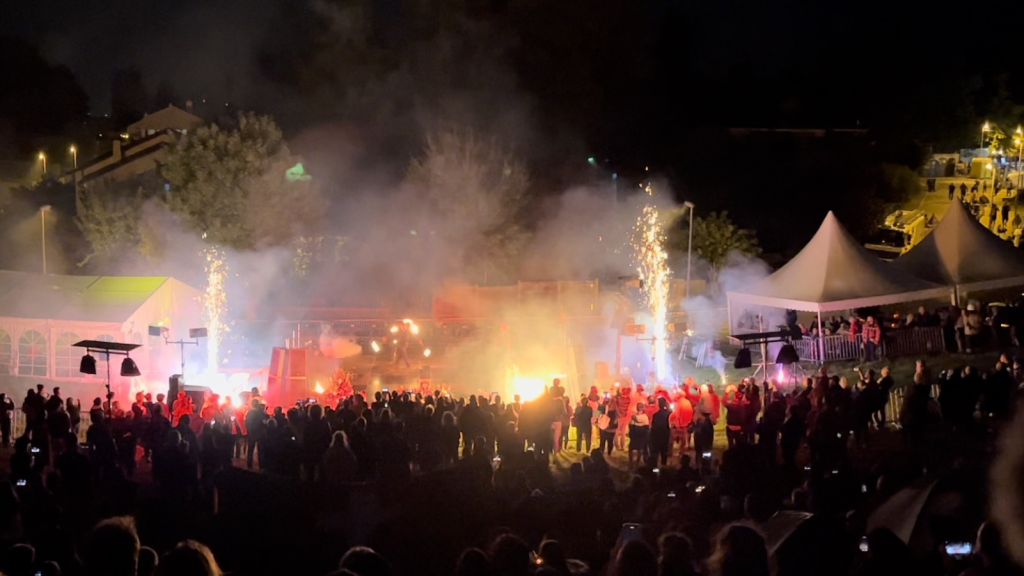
[(42, 219), (689, 248), (42, 158), (984, 128), (74, 156)]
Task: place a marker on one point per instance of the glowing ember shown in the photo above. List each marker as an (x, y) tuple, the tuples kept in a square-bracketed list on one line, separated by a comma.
[(319, 388), (652, 266), (215, 300)]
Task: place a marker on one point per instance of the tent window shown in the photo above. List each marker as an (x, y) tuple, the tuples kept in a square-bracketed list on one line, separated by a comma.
[(32, 354), (101, 359), (66, 358), (5, 352)]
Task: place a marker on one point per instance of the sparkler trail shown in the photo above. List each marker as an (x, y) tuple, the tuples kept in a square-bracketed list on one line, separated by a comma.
[(215, 300), (652, 267)]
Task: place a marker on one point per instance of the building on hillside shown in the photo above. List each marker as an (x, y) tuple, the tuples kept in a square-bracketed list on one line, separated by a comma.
[(137, 152), (42, 316)]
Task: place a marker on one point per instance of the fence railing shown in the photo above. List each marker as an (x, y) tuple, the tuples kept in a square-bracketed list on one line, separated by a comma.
[(903, 342)]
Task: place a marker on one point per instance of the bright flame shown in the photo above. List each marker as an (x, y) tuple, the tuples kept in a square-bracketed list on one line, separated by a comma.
[(412, 326), (319, 388), (215, 300), (375, 346), (227, 387), (528, 388), (394, 329), (426, 352), (652, 266), (780, 374)]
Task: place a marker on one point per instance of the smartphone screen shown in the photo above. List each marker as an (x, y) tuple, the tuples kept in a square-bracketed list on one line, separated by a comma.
[(706, 455), (22, 482), (864, 544), (631, 532), (959, 548)]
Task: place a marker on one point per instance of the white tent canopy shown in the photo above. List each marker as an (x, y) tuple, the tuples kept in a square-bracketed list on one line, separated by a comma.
[(834, 272), (961, 252)]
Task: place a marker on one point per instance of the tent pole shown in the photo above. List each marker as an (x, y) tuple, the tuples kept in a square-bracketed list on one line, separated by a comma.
[(821, 341)]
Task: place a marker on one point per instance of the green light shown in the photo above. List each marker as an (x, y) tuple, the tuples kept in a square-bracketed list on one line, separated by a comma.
[(591, 160), (297, 173)]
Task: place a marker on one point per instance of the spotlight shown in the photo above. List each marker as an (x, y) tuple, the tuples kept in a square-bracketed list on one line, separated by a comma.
[(88, 365), (129, 368), (742, 359), (787, 355)]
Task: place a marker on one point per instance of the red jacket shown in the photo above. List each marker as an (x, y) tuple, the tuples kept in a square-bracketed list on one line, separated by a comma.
[(872, 333), (682, 415)]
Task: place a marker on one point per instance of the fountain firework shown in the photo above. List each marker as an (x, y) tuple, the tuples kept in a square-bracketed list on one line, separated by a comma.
[(215, 305), (652, 267)]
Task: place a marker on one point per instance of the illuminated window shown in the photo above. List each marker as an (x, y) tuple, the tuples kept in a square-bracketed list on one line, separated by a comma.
[(66, 358), (32, 354), (5, 352)]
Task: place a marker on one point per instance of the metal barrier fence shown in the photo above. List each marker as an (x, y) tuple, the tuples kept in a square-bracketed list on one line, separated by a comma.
[(18, 426), (903, 342)]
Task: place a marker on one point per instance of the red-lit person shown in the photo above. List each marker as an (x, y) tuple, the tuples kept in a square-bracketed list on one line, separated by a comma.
[(872, 339), (624, 407), (679, 423)]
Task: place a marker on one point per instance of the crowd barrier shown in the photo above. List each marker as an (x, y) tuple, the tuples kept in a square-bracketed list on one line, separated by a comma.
[(896, 343)]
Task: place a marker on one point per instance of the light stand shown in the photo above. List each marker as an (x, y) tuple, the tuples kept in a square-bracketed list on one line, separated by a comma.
[(108, 348), (194, 333)]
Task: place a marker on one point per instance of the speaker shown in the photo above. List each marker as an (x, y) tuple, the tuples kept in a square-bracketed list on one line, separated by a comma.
[(742, 359), (787, 355)]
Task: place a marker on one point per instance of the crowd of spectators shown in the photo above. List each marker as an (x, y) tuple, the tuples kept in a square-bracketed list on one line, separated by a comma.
[(480, 486)]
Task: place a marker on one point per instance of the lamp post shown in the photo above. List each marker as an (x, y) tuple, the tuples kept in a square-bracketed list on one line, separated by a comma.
[(74, 156), (42, 220), (984, 128), (689, 248), (42, 158)]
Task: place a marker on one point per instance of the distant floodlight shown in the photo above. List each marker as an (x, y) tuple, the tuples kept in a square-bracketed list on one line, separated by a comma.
[(197, 332), (426, 352), (88, 365), (375, 346), (129, 368)]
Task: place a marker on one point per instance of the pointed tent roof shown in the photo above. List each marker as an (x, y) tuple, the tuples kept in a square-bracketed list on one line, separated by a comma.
[(961, 252), (834, 272)]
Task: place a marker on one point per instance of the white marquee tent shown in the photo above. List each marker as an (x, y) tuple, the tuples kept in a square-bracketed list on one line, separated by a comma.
[(963, 254), (834, 272), (41, 316)]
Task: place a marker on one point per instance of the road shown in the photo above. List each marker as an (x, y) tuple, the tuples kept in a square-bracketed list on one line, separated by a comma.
[(937, 202)]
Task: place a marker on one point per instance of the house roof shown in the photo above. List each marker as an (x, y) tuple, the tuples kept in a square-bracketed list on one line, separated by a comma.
[(111, 299), (834, 272), (170, 118), (960, 251)]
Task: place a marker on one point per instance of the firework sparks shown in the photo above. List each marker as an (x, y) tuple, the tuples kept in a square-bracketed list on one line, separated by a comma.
[(215, 305), (652, 266)]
